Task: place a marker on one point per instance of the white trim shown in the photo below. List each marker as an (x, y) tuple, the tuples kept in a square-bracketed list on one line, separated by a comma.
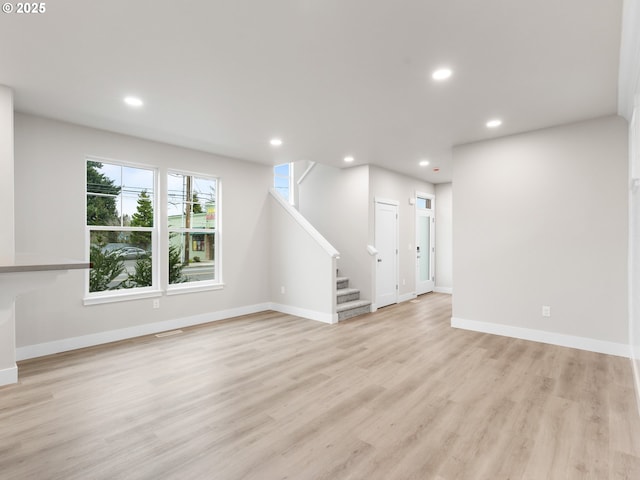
[(289, 177), (95, 298), (636, 375), (306, 172), (216, 230), (629, 66), (9, 375), (64, 345), (74, 343), (386, 201), (633, 251), (304, 223), (194, 287), (542, 336), (447, 290), (120, 297), (330, 318), (115, 161), (431, 215), (430, 196), (406, 297)]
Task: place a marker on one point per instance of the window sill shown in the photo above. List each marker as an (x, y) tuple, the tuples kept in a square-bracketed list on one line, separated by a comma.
[(179, 289), (120, 297)]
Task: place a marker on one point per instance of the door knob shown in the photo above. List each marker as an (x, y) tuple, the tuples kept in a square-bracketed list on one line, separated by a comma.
[(379, 260)]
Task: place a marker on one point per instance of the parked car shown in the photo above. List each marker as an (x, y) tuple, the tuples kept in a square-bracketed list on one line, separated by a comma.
[(131, 253)]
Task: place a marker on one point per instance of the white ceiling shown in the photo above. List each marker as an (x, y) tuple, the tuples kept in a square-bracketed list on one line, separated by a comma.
[(330, 77)]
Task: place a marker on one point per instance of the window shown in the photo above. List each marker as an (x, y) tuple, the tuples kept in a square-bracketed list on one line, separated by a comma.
[(121, 228), (423, 203), (192, 203), (283, 181)]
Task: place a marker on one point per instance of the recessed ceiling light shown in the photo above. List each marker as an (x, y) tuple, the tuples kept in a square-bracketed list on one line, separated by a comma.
[(494, 123), (276, 142), (424, 163), (348, 159), (133, 101), (442, 74)]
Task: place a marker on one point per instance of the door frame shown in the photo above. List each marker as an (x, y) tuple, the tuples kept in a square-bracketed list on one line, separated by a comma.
[(396, 204), (432, 240)]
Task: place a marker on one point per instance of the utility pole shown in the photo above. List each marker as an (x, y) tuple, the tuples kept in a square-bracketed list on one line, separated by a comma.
[(187, 221)]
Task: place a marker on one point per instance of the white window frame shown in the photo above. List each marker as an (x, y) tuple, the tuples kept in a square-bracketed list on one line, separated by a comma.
[(203, 285), (108, 296), (290, 177)]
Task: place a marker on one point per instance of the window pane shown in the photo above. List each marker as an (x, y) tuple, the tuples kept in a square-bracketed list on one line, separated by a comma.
[(103, 191), (140, 178), (120, 260), (116, 194), (141, 206), (281, 182), (283, 192), (191, 257), (191, 201), (103, 178), (281, 170), (102, 210)]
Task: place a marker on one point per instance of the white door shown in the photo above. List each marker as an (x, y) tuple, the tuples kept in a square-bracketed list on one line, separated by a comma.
[(386, 240), (425, 248)]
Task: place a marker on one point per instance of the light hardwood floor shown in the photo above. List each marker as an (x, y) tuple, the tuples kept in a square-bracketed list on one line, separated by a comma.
[(393, 395)]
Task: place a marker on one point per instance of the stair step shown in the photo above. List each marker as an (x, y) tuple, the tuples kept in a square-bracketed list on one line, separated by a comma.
[(347, 295), (342, 282), (353, 308)]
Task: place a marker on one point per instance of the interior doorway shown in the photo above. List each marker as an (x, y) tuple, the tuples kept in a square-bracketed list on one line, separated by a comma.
[(425, 243), (386, 242)]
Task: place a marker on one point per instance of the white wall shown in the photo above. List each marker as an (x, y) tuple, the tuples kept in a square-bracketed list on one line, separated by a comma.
[(335, 202), (628, 102), (49, 184), (7, 335), (340, 204), (444, 238), (393, 186), (303, 273), (541, 219), (6, 176)]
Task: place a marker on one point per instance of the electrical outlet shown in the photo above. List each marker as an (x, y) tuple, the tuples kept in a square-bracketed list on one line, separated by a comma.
[(156, 303), (282, 290), (546, 311)]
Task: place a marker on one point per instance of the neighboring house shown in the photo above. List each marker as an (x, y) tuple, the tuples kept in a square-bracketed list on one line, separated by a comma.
[(202, 246)]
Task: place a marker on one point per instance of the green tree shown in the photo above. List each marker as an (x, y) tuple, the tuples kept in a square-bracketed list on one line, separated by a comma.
[(175, 265), (105, 268), (197, 207), (101, 210), (142, 218), (142, 276)]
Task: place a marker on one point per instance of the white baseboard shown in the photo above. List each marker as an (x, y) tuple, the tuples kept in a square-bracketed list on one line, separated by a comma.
[(64, 345), (448, 290), (304, 313), (560, 339), (406, 297), (9, 375), (635, 362)]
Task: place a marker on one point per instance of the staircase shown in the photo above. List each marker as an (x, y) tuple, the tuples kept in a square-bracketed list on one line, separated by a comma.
[(348, 300)]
